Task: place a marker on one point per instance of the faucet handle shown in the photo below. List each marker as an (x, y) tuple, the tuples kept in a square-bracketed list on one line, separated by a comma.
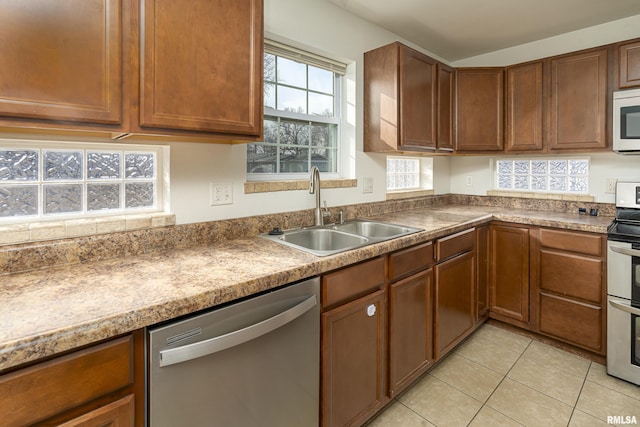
[(326, 212)]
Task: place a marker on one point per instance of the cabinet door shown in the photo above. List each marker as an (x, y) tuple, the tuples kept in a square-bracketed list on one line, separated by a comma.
[(445, 108), (410, 330), (629, 65), (353, 361), (524, 107), (453, 299), (201, 65), (578, 109), (61, 61), (479, 109), (509, 285), (482, 266), (417, 100)]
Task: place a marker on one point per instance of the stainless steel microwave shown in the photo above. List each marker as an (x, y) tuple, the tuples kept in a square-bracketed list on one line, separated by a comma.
[(626, 121)]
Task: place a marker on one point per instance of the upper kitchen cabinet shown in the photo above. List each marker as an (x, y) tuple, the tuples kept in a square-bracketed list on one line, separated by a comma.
[(479, 108), (523, 121), (201, 67), (578, 100), (400, 93), (61, 64), (445, 108), (629, 65)]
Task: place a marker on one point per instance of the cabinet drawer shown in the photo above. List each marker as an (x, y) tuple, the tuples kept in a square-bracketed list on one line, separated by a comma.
[(588, 244), (408, 261), (455, 244), (38, 392), (351, 282), (571, 321), (572, 275)]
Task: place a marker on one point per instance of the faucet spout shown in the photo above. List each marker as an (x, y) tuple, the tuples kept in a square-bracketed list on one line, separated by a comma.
[(314, 187)]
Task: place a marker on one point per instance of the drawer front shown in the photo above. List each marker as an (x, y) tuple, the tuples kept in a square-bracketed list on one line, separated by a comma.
[(588, 244), (408, 261), (571, 321), (352, 282), (455, 244), (571, 275), (66, 382)]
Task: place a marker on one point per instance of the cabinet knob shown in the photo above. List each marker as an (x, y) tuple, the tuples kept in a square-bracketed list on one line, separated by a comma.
[(371, 310)]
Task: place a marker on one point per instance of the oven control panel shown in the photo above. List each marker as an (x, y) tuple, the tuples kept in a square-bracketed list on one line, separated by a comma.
[(628, 195)]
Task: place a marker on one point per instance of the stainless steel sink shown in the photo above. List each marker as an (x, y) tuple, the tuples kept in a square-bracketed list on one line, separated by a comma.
[(334, 238), (379, 230)]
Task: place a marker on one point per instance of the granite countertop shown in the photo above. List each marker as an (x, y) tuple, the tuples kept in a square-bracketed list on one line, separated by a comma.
[(45, 312)]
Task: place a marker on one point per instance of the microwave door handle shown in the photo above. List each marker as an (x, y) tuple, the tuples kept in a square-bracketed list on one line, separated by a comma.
[(213, 345), (625, 251), (626, 308)]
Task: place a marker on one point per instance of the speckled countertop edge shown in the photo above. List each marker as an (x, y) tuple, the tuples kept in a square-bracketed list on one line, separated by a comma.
[(50, 311)]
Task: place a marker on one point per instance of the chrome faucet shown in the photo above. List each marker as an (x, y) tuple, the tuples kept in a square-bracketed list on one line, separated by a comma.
[(314, 187)]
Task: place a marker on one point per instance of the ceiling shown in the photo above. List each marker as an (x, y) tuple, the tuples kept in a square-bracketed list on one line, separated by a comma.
[(458, 29)]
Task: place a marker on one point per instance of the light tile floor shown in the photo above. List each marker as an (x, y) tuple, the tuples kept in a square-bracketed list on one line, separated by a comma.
[(499, 378)]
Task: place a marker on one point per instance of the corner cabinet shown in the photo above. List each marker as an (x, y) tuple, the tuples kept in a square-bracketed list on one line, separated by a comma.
[(403, 102), (479, 107), (61, 62), (201, 66)]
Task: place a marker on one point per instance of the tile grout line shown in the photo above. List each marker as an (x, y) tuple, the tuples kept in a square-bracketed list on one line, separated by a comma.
[(575, 407)]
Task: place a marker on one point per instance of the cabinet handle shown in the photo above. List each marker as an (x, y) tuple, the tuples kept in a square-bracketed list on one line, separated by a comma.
[(371, 310)]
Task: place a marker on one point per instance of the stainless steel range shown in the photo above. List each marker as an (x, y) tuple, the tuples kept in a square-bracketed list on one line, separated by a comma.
[(623, 277)]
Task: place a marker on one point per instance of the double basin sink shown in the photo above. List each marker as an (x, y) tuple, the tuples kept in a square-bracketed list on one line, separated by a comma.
[(333, 238)]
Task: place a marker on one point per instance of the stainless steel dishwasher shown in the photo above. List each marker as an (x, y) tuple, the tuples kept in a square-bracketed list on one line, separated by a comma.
[(251, 363)]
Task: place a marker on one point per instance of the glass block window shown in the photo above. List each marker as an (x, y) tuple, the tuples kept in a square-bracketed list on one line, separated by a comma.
[(301, 115), (403, 173), (552, 175), (50, 180)]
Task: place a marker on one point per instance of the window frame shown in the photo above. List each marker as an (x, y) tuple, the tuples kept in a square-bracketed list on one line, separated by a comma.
[(547, 175), (424, 174)]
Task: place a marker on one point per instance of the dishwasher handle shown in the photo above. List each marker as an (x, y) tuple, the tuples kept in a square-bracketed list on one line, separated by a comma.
[(188, 352)]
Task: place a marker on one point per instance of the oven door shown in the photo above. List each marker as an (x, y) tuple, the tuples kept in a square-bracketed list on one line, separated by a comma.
[(623, 340)]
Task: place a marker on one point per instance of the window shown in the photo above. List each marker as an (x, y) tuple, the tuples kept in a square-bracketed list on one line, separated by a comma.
[(409, 173), (302, 115), (52, 180), (556, 176)]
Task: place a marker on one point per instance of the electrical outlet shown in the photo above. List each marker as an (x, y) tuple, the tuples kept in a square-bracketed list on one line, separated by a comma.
[(367, 185), (610, 186), (469, 181), (220, 193)]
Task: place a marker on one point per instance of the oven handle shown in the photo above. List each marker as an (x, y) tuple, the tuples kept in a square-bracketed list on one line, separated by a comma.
[(626, 308), (213, 345), (625, 251)]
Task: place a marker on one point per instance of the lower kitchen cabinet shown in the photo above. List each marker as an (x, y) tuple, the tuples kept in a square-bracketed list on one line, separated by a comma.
[(569, 287), (353, 361), (410, 330), (96, 386), (509, 274), (454, 303), (353, 347)]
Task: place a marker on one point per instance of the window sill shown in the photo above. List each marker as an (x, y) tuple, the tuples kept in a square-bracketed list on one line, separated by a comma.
[(544, 196), (292, 185), (50, 230), (409, 194)]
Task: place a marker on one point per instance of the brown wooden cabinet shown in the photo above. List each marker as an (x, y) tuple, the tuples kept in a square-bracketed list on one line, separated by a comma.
[(482, 274), (94, 386), (407, 96), (569, 287), (61, 61), (410, 315), (523, 118), (628, 65), (578, 100), (479, 96), (353, 360), (509, 274), (454, 303), (201, 66)]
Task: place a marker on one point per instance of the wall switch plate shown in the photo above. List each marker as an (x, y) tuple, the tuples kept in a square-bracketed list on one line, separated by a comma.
[(367, 185), (220, 193), (610, 186)]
